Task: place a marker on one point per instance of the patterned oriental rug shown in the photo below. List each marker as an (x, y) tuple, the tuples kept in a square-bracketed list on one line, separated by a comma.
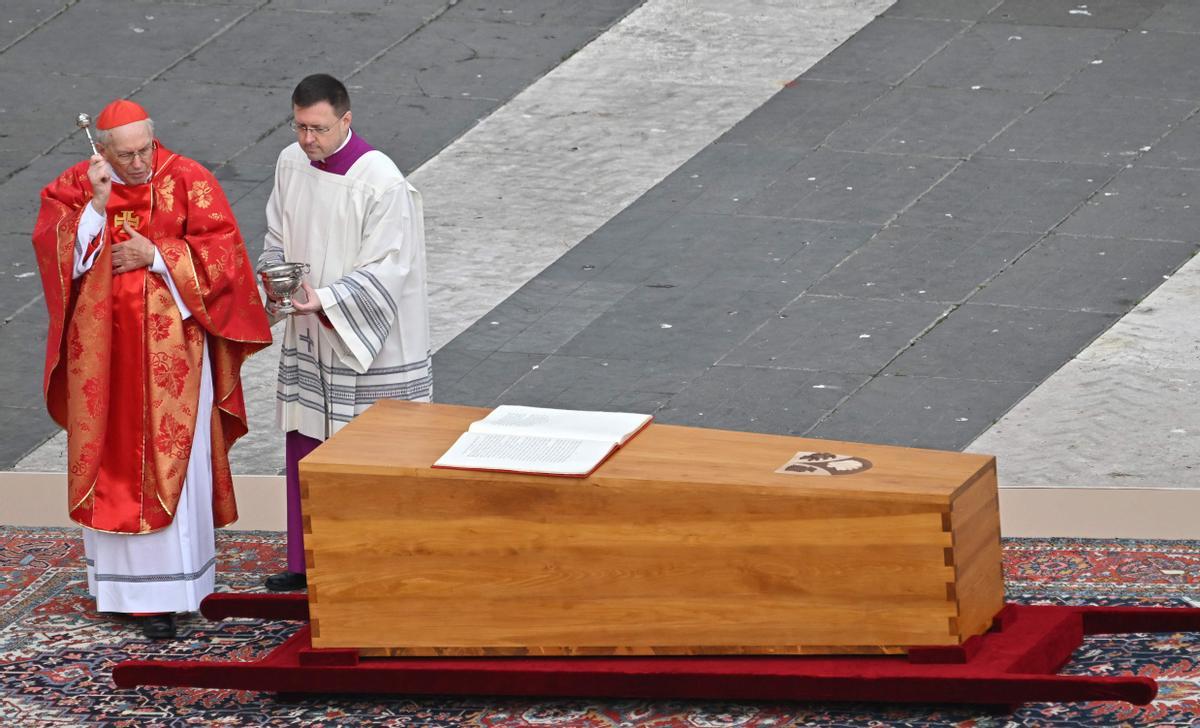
[(57, 653)]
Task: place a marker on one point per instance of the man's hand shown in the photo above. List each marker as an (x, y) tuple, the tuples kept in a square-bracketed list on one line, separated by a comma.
[(311, 303), (101, 178), (136, 252)]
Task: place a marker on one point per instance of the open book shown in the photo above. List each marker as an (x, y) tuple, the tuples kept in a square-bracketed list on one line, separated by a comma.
[(539, 440)]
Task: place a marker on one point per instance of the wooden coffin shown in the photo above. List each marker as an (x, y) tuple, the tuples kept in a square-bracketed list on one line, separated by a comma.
[(686, 541)]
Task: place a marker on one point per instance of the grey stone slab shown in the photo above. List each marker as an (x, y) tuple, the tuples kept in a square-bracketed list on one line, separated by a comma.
[(384, 9), (888, 49), (24, 299), (563, 322), (272, 139), (693, 324), (38, 121), (694, 247), (1014, 57), (1180, 16), (21, 385), (135, 45), (715, 167), (1015, 196), (717, 306), (246, 3), (1153, 63), (925, 264), (22, 430), (943, 122), (211, 122), (941, 9), (1001, 343), (1142, 203), (542, 316), (1122, 14), (412, 129), (453, 58), (822, 333), (451, 363), (550, 332), (845, 186), (251, 213), (1089, 129), (804, 113), (1086, 274), (18, 289), (584, 261), (20, 194), (337, 44), (12, 160), (613, 384), (516, 313), (611, 244), (235, 190), (786, 255), (461, 376), (244, 172), (938, 413), (758, 399), (622, 234), (585, 13), (1180, 148), (17, 19), (728, 173), (639, 250), (413, 72), (636, 401)]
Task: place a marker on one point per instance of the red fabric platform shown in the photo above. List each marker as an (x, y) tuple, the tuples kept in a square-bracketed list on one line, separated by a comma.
[(1016, 662)]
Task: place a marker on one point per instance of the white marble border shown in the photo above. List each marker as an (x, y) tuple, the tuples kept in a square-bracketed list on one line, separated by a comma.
[(1124, 413)]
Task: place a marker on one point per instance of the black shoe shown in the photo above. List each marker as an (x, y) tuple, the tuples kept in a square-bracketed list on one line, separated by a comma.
[(159, 626), (287, 581)]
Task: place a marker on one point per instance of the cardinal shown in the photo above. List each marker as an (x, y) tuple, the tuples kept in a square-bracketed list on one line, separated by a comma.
[(153, 308)]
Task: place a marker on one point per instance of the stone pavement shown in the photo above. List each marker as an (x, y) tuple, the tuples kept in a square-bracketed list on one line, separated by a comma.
[(918, 230), (217, 77), (898, 247)]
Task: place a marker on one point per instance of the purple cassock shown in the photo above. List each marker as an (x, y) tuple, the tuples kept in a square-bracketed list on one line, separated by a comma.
[(297, 445)]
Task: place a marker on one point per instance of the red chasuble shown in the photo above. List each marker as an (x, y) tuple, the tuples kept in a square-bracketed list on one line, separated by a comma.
[(122, 368)]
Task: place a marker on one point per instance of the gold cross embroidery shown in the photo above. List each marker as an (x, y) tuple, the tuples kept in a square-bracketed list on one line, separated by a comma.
[(126, 216)]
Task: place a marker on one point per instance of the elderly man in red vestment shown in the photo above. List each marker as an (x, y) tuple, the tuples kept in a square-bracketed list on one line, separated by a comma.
[(153, 307)]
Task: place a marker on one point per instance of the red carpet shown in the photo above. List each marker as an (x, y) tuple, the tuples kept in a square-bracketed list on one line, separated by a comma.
[(57, 654)]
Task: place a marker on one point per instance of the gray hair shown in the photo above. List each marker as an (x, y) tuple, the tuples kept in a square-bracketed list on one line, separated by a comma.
[(103, 136)]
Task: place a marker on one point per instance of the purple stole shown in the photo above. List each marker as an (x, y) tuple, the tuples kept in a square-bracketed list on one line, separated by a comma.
[(342, 160)]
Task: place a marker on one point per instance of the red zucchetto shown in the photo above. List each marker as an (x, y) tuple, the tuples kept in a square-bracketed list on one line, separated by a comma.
[(120, 113)]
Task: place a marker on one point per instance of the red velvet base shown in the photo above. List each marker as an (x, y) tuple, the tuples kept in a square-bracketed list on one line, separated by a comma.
[(1015, 662)]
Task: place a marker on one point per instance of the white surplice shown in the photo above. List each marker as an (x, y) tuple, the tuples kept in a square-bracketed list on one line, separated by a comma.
[(363, 236), (172, 569)]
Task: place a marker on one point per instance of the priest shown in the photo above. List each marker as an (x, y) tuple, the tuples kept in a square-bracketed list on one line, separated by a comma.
[(360, 329), (153, 307)]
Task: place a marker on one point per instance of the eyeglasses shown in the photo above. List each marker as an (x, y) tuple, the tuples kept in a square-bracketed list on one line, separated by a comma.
[(306, 129), (143, 153)]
